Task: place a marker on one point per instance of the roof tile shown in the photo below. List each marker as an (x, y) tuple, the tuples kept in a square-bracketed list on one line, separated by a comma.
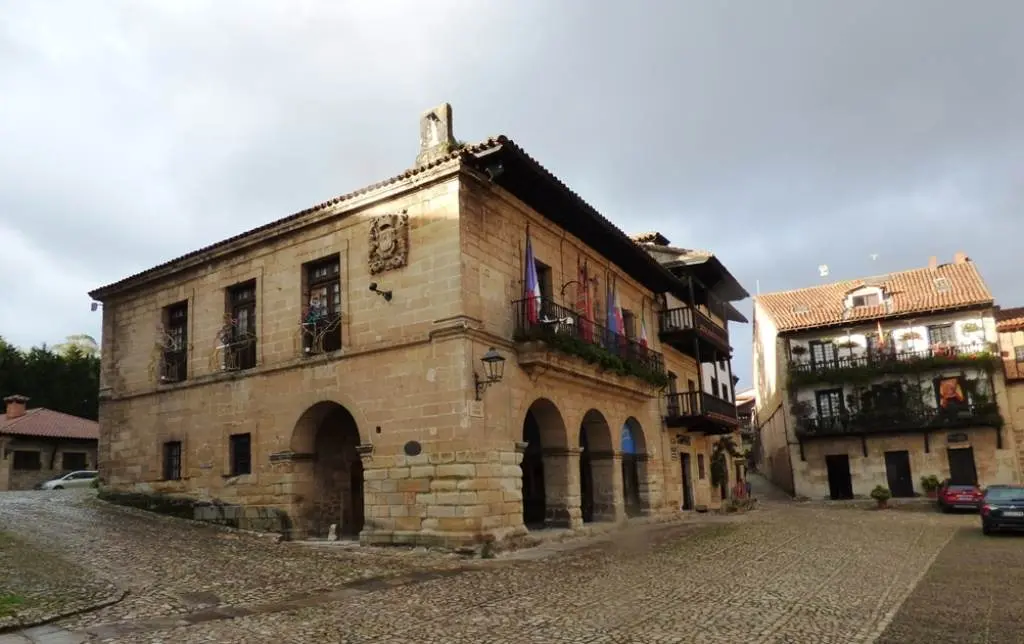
[(912, 291), (46, 423), (1010, 319)]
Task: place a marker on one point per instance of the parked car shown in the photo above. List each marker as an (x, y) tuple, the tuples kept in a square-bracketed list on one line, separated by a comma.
[(1003, 508), (958, 497), (81, 478)]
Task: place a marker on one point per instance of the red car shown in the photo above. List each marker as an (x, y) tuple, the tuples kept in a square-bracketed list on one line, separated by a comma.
[(959, 497)]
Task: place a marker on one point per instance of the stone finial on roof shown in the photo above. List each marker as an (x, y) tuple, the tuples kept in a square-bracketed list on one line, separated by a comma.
[(436, 135)]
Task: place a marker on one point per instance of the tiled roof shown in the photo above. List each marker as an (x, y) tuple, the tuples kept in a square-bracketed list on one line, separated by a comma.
[(1010, 319), (47, 423), (915, 291)]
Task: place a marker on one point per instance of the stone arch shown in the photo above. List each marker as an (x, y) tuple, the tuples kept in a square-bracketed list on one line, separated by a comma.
[(633, 449), (544, 466), (326, 436), (597, 468)]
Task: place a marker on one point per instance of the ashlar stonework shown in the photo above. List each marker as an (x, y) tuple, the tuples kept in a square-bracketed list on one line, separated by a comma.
[(320, 435)]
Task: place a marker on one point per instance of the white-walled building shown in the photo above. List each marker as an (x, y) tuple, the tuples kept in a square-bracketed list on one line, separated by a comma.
[(882, 381)]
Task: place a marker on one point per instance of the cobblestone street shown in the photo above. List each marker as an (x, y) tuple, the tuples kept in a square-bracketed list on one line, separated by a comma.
[(784, 573)]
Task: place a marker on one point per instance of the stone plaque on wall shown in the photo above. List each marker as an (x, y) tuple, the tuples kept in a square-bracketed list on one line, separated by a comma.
[(389, 243)]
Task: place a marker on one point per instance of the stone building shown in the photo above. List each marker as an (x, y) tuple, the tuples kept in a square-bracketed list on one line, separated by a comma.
[(882, 381), (1010, 326), (40, 444), (373, 362)]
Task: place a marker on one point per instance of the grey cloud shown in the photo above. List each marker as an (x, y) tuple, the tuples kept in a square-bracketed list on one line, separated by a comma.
[(780, 135)]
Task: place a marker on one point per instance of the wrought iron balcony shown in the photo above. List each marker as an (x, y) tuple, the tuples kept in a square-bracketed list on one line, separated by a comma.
[(173, 366), (701, 412), (567, 331), (681, 326), (899, 420)]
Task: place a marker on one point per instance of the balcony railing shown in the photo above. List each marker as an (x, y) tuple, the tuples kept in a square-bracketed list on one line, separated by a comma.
[(686, 318), (239, 354), (898, 420), (885, 361), (682, 408), (321, 332), (173, 366), (565, 330)]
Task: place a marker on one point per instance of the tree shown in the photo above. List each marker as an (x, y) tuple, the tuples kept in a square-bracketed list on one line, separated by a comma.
[(81, 341), (720, 455), (68, 381)]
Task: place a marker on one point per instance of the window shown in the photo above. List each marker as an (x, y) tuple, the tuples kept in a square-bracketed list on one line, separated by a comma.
[(172, 461), (241, 454), (1018, 353), (941, 334), (240, 349), (545, 280), (700, 466), (321, 324), (829, 402), (868, 299), (25, 460), (822, 352), (175, 352), (71, 461), (725, 391), (691, 385), (884, 397)]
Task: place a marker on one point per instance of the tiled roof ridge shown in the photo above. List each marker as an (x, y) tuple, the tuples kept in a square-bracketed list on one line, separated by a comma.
[(888, 275), (456, 153)]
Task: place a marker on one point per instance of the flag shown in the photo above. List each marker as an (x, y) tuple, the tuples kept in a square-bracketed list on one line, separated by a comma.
[(643, 328), (617, 311), (531, 283)]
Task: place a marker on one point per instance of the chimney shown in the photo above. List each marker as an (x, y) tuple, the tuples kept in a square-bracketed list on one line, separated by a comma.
[(933, 263), (15, 406), (436, 138), (960, 257)]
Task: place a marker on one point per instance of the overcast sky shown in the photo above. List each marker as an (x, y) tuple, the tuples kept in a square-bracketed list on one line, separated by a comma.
[(781, 135)]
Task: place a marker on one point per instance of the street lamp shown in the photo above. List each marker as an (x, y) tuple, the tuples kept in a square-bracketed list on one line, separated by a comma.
[(494, 370)]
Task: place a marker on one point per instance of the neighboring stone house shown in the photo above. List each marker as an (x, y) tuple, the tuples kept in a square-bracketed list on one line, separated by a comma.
[(1010, 326), (40, 444), (373, 362), (881, 381)]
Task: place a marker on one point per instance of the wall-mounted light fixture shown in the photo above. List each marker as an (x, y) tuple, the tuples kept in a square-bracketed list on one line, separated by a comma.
[(385, 294), (494, 370), (95, 305)]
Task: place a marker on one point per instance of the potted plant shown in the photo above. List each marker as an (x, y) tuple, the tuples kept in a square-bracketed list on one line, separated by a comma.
[(798, 350), (881, 495), (930, 484), (910, 335)]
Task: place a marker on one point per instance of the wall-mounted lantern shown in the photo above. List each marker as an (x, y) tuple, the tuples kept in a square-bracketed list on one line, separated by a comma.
[(494, 370)]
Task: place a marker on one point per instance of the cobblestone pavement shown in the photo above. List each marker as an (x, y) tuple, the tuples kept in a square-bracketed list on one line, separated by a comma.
[(974, 592), (784, 573)]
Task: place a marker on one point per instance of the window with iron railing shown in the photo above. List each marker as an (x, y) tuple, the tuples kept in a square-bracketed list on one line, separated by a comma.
[(239, 336), (321, 321), (174, 361)]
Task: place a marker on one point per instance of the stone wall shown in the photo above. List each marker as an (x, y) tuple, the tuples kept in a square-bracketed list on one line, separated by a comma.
[(438, 466), (51, 458)]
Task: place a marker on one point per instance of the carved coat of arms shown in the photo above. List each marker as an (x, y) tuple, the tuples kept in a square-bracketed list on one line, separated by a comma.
[(389, 243)]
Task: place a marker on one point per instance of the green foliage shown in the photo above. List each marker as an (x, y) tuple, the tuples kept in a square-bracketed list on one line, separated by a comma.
[(881, 494), (68, 383), (930, 483), (596, 355), (9, 604), (720, 453), (867, 372)]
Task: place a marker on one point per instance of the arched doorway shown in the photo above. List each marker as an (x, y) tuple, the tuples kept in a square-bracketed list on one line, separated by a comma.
[(336, 489), (545, 477), (597, 474), (634, 467)]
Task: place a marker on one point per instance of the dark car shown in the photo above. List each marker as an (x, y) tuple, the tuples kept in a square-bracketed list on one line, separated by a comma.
[(1003, 508), (958, 497)]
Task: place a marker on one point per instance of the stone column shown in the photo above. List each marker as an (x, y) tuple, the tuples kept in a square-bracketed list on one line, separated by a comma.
[(609, 503), (562, 487), (650, 490), (372, 497)]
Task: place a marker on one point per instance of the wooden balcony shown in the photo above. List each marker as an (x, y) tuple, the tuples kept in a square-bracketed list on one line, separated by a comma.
[(701, 412), (689, 331), (1014, 369), (887, 360), (899, 421)]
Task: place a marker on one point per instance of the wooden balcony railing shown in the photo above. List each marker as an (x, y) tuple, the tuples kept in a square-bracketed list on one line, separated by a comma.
[(685, 318), (564, 329), (692, 404)]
